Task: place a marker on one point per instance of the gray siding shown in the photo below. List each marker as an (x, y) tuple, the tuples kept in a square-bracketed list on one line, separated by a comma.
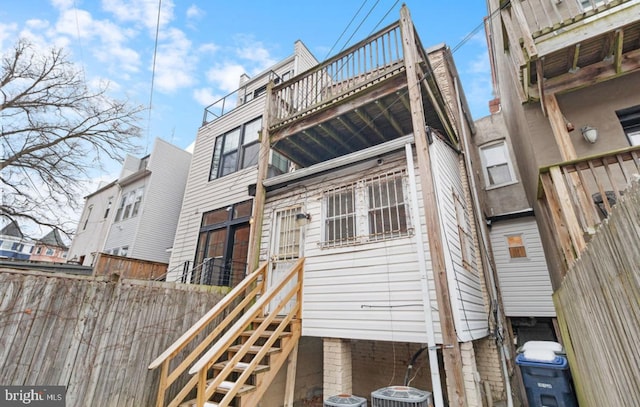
[(162, 201), (464, 281), (524, 283), (365, 291)]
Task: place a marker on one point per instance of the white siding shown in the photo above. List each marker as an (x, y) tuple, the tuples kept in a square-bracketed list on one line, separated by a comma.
[(464, 283), (169, 166), (367, 291), (202, 195), (91, 240), (123, 233), (524, 283)]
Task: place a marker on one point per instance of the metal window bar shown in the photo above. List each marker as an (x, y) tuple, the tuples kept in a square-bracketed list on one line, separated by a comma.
[(340, 215), (288, 234)]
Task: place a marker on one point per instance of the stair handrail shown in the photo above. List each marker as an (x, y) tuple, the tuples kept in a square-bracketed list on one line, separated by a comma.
[(201, 367), (258, 278)]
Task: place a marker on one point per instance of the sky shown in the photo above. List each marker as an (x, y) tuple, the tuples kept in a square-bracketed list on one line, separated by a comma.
[(204, 46)]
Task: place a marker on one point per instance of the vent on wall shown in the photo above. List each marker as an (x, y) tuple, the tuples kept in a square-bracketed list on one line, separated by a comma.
[(345, 400), (401, 396)]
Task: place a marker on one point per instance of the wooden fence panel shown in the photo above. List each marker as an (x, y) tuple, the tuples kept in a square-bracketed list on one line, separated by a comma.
[(599, 300), (94, 335)]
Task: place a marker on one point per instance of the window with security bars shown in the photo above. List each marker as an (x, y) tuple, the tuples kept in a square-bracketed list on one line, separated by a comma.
[(368, 210), (288, 234)]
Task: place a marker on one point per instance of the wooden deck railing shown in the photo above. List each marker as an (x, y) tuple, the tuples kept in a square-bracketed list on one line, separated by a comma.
[(275, 299), (543, 16), (361, 64), (579, 194), (230, 308)]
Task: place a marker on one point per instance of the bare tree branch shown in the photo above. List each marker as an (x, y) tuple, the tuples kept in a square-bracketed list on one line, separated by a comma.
[(54, 130)]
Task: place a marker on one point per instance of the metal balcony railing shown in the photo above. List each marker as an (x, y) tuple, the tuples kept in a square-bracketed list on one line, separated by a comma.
[(579, 194)]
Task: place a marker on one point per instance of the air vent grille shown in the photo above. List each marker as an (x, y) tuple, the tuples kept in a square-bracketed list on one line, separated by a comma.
[(401, 396), (345, 400)]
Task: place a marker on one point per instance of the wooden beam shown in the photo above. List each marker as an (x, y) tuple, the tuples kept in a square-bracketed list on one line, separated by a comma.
[(559, 128), (540, 80), (389, 117), (257, 212), (451, 348), (564, 199), (290, 384), (331, 133), (595, 73), (352, 129), (359, 99), (528, 44), (369, 122), (617, 52), (311, 136), (513, 39), (563, 240), (574, 58), (427, 82)]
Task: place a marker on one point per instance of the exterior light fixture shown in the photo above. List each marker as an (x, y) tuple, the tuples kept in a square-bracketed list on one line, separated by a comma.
[(590, 134), (302, 219)]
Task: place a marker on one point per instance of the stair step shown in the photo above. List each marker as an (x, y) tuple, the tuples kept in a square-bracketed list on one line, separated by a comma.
[(254, 349), (265, 334), (225, 386), (241, 367), (193, 403)]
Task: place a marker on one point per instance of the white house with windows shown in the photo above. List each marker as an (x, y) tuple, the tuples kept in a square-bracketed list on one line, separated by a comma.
[(13, 243), (212, 236), (136, 215)]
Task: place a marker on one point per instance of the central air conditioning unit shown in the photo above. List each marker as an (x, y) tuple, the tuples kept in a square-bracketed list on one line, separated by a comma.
[(401, 396), (345, 400)]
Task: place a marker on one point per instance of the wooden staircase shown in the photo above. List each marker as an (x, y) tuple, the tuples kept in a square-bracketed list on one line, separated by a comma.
[(233, 353)]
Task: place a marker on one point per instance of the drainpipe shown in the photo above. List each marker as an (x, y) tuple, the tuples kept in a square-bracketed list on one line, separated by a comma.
[(426, 301), (504, 353)]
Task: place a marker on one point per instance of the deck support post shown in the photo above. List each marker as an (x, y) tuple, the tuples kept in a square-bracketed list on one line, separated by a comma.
[(451, 348)]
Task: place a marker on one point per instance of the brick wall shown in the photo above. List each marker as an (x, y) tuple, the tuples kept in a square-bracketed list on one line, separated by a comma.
[(337, 367), (489, 367), (378, 364)]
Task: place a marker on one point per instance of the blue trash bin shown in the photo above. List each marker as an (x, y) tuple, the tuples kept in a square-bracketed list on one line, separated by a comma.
[(547, 378)]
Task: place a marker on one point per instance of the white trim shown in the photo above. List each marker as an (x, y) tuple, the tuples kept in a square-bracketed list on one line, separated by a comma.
[(508, 161)]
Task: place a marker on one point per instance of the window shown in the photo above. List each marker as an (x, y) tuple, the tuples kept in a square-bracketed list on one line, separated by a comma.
[(516, 247), (106, 212), (236, 149), (630, 121), (49, 252), (39, 250), (223, 245), (86, 220), (288, 234), (340, 215), (124, 251), (590, 4), (17, 247), (368, 210), (464, 233), (496, 165), (129, 204)]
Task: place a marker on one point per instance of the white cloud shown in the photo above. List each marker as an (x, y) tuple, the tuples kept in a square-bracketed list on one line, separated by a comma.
[(175, 64), (7, 34), (36, 24), (480, 64), (209, 48), (194, 12), (62, 4), (110, 49), (226, 76), (205, 96), (144, 12)]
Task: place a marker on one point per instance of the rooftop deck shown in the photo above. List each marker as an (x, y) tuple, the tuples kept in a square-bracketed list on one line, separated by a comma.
[(357, 99)]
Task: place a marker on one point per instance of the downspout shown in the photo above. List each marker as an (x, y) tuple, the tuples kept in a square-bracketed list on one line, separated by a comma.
[(424, 284), (504, 352)]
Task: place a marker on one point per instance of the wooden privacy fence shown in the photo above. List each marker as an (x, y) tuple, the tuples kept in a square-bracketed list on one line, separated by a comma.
[(598, 307), (127, 267), (93, 335)]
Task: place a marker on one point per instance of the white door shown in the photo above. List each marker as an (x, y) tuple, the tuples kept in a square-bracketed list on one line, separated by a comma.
[(285, 252)]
